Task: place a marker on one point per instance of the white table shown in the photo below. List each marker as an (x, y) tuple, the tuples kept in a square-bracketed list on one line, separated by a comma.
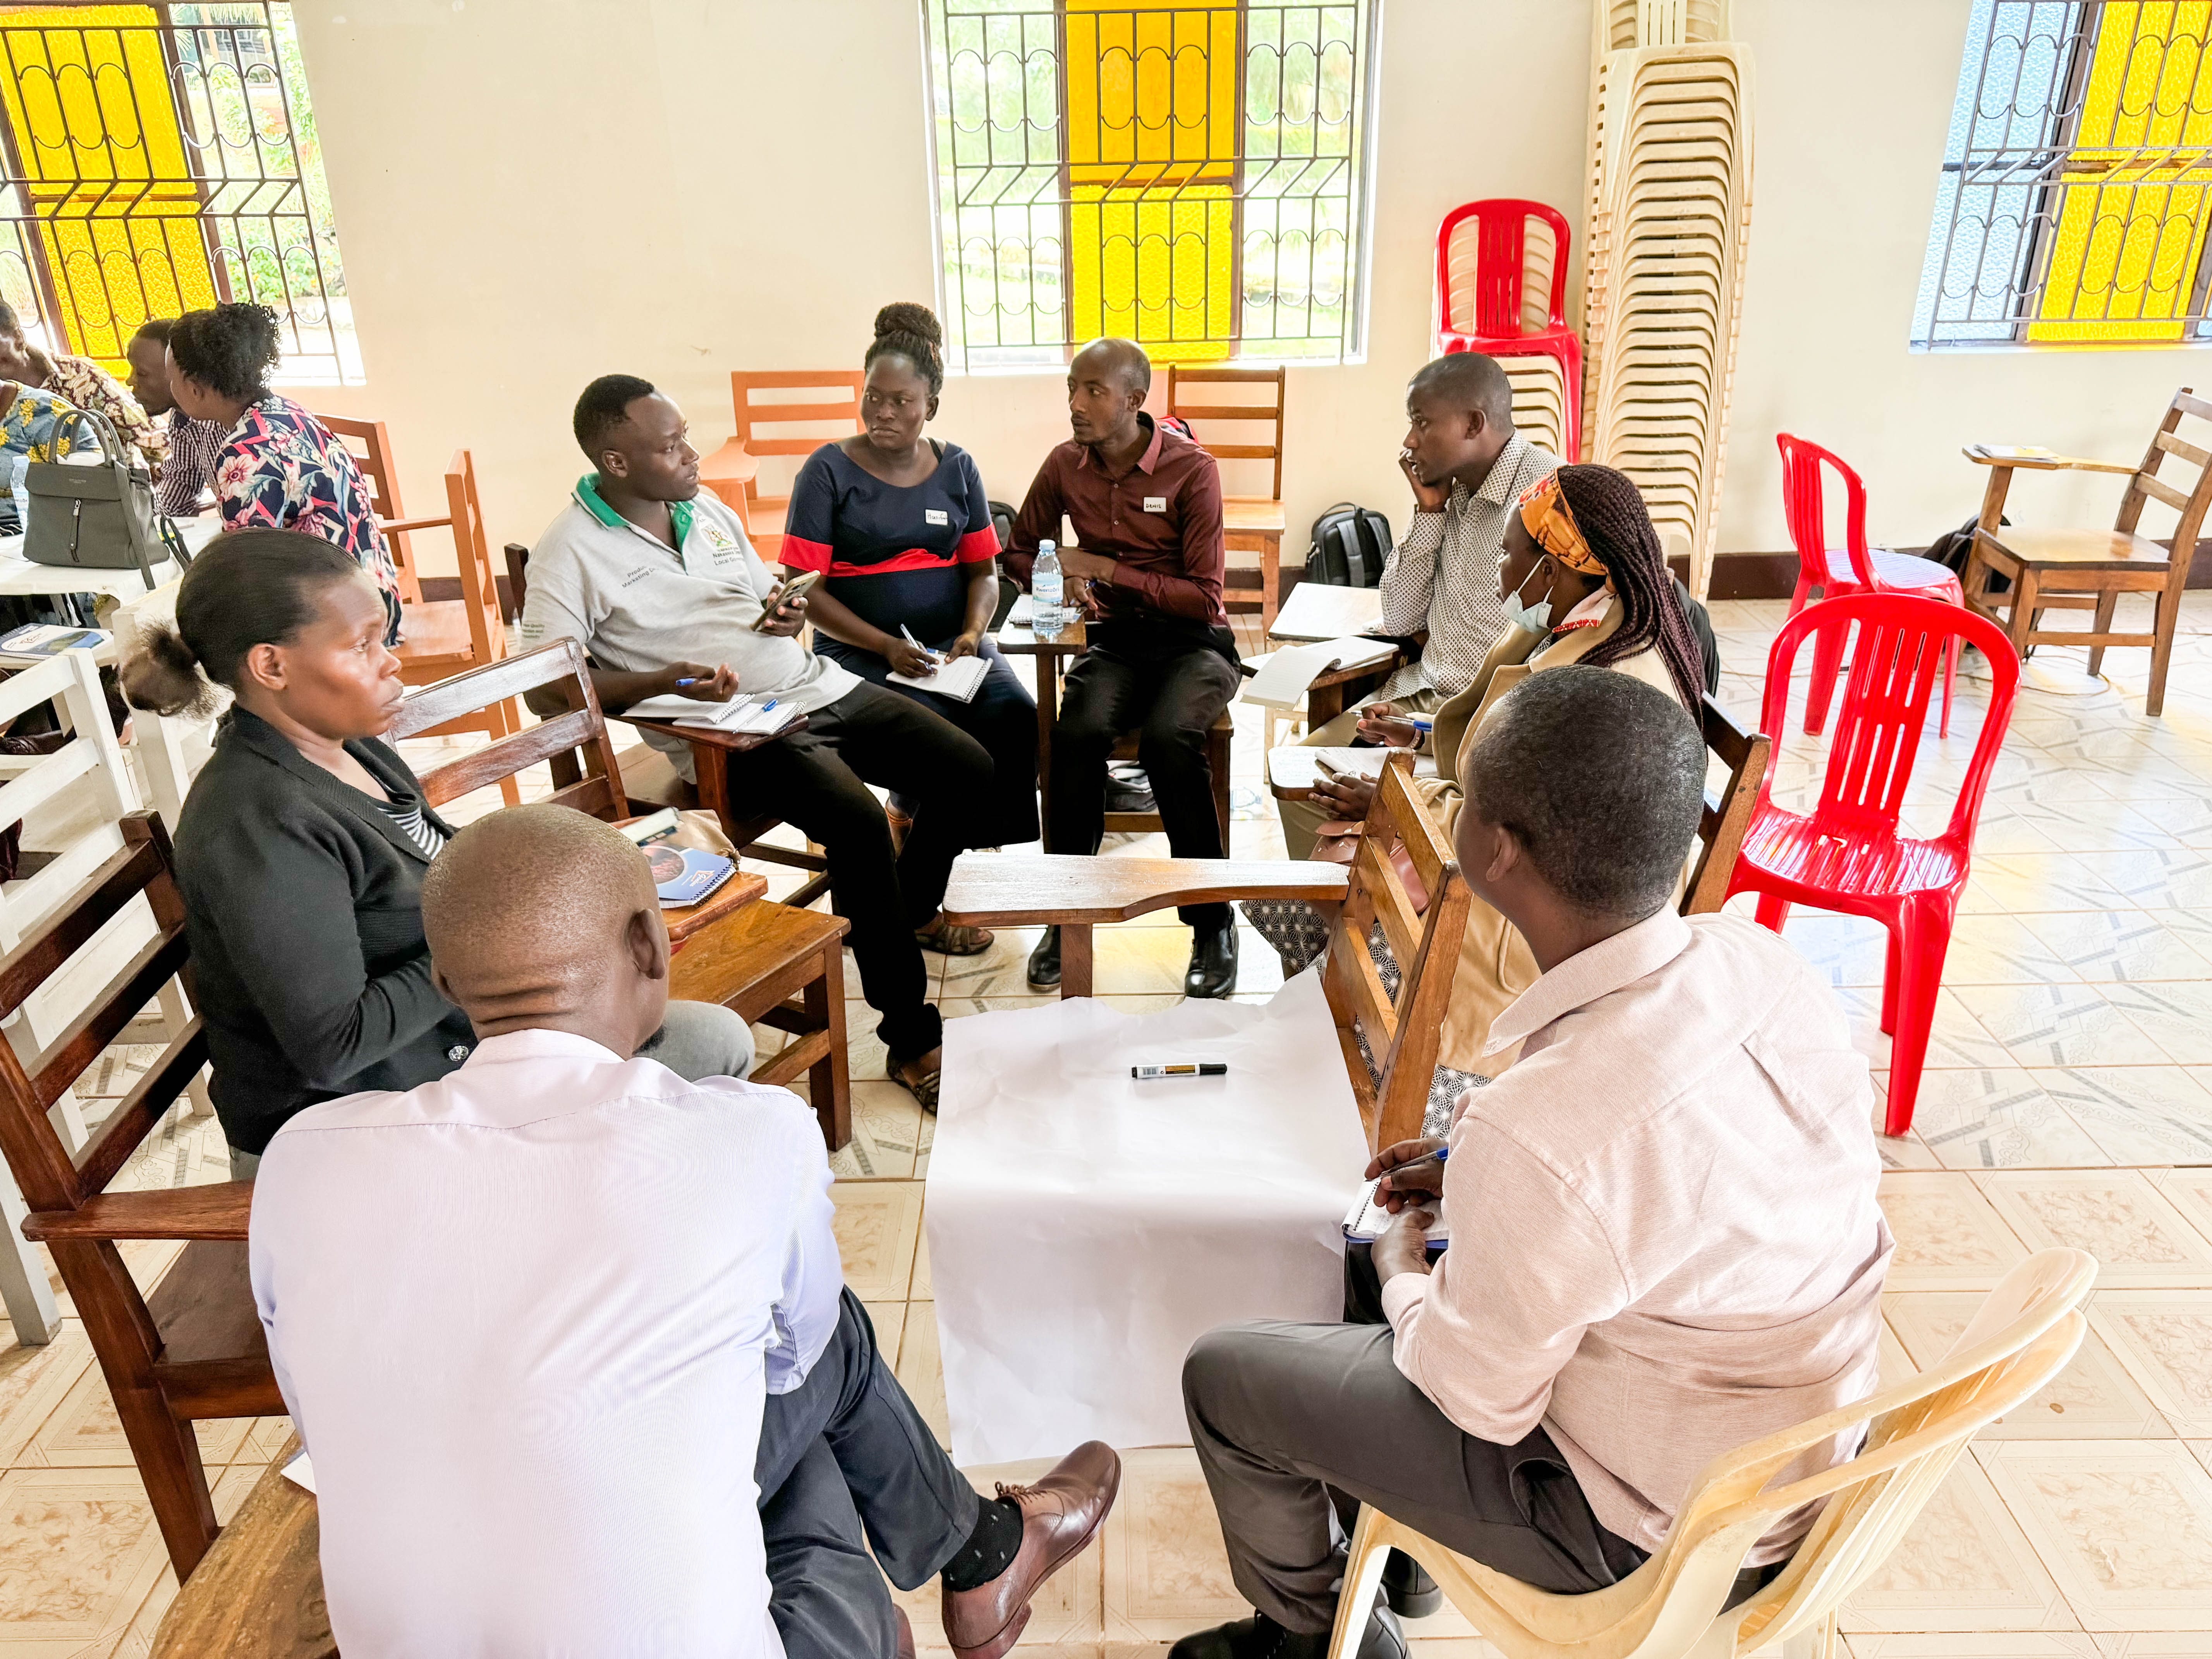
[(1317, 611), (18, 576)]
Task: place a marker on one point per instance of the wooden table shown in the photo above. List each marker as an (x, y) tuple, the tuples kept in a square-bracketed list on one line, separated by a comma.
[(1076, 893), (1317, 611), (1052, 652)]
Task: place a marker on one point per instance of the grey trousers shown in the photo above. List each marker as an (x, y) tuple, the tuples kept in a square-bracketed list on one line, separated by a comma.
[(1284, 1415), (846, 1461), (695, 1040)]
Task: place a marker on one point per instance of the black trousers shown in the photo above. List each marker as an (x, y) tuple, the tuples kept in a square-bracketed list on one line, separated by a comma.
[(846, 1462), (1001, 716), (1168, 688), (817, 779)]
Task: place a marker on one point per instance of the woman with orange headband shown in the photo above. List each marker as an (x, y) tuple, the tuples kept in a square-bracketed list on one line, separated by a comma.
[(1584, 580)]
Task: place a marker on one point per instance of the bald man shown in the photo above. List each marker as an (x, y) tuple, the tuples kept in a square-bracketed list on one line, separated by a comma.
[(1145, 503), (1467, 466), (568, 1339)]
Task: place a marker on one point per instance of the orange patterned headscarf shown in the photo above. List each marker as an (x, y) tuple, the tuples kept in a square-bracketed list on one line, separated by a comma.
[(1551, 521)]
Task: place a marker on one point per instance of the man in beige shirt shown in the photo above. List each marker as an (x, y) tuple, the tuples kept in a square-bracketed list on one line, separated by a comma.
[(1665, 1239)]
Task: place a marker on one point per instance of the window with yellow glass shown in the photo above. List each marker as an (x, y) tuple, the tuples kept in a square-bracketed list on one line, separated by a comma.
[(1193, 177)]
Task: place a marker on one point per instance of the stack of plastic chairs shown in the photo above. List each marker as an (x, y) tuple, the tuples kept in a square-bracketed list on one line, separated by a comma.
[(1670, 211), (1501, 290)]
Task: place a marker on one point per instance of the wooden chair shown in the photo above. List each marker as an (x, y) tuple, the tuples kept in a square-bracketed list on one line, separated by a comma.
[(776, 965), (85, 785), (653, 781), (1728, 809), (370, 444), (1076, 894), (835, 416), (1250, 524), (2090, 569), (1218, 738), (451, 636), (193, 1348), (1671, 1608), (258, 1594)]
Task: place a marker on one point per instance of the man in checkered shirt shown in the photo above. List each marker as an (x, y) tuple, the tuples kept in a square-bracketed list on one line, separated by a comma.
[(1467, 466), (186, 477)]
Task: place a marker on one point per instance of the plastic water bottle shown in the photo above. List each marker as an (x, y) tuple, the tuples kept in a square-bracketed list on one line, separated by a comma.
[(1047, 614)]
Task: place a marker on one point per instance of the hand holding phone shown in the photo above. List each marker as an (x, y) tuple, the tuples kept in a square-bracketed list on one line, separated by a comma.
[(795, 588)]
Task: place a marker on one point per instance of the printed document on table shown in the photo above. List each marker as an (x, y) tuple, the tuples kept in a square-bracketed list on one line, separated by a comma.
[(1283, 678)]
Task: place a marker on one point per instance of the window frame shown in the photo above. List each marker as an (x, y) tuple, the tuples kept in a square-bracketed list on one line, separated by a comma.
[(951, 236)]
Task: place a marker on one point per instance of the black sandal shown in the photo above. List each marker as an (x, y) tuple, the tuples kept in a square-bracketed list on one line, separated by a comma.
[(924, 1090)]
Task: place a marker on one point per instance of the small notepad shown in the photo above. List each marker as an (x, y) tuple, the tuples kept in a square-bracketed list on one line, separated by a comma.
[(1365, 1221), (959, 679)]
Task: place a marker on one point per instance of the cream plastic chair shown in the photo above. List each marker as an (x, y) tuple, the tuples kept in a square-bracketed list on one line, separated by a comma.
[(1670, 1606)]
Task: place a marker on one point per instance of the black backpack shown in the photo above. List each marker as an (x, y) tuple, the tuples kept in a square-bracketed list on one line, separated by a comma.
[(1349, 545)]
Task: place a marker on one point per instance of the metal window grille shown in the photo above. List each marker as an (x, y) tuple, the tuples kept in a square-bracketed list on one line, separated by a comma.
[(2072, 208), (159, 158), (1195, 177)]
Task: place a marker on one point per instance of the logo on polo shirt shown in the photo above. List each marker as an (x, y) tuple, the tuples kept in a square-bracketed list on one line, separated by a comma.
[(718, 538), (1156, 503)]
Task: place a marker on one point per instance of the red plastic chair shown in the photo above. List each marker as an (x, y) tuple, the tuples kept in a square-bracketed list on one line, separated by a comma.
[(1847, 855), (1852, 568), (1501, 241)]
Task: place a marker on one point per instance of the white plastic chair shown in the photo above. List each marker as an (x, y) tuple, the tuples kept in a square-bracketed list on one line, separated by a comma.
[(170, 749), (1671, 1607), (82, 790)]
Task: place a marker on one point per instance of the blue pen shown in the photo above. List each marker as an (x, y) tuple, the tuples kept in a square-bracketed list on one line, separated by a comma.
[(917, 644), (1421, 722), (770, 704), (692, 679), (1438, 1156)]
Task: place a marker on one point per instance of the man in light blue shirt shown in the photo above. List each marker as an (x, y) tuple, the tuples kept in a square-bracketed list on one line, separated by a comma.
[(568, 1338)]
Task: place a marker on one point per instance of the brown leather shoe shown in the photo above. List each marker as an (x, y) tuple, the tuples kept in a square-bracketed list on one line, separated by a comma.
[(905, 1633), (1059, 1515)]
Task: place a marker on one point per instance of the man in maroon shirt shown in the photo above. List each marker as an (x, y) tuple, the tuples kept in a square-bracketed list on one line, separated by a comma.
[(1146, 506)]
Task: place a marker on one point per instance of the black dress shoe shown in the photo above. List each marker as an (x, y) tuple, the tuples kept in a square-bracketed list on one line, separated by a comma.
[(1212, 971), (1044, 960), (1408, 1588), (1261, 1638)]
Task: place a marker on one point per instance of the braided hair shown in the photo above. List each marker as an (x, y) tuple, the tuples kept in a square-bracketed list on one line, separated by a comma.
[(1613, 519), (911, 330)]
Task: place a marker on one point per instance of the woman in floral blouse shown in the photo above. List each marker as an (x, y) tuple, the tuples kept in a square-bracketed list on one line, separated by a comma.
[(280, 468)]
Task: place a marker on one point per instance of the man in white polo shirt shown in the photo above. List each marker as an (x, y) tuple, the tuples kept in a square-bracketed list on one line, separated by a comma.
[(659, 584)]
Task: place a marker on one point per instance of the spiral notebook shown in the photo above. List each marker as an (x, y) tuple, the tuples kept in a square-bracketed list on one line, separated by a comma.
[(959, 679)]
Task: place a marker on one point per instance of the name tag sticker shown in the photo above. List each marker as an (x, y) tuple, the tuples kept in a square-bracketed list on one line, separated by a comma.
[(936, 515), (1156, 503)]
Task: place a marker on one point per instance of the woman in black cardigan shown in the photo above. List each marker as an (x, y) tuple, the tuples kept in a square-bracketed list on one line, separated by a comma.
[(301, 847)]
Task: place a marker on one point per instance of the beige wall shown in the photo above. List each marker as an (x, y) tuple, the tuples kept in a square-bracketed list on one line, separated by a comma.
[(531, 193)]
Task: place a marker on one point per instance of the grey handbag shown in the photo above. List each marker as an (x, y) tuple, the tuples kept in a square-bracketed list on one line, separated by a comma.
[(99, 517)]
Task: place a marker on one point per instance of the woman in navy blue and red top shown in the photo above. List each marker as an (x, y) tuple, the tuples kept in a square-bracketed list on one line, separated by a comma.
[(900, 529)]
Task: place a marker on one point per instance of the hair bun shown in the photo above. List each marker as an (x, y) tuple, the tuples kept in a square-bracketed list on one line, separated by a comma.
[(905, 316)]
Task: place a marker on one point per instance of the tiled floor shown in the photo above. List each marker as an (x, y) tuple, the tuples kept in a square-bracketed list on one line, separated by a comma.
[(2068, 1100)]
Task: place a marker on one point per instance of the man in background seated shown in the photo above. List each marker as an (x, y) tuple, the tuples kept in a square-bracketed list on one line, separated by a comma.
[(81, 383), (1145, 503), (1467, 466), (568, 1339), (1664, 1237), (183, 482), (660, 585)]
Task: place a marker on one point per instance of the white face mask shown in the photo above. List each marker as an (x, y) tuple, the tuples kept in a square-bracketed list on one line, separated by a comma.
[(1537, 617)]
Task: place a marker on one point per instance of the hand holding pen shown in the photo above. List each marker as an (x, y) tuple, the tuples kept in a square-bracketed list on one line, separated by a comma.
[(1410, 1172)]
